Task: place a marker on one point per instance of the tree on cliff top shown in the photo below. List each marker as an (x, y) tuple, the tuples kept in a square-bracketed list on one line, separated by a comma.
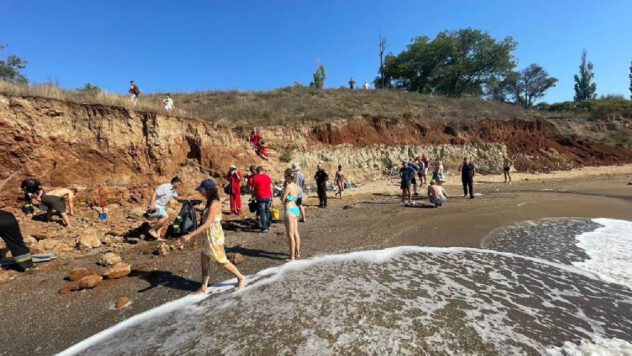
[(522, 87), (11, 67), (455, 63), (584, 89), (319, 77), (630, 80)]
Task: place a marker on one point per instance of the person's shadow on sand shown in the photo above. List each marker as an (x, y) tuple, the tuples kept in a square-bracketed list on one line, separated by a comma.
[(422, 206), (245, 225), (165, 279), (258, 253), (42, 217)]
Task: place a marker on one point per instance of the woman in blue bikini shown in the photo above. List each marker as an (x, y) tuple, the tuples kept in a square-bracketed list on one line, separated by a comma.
[(290, 193)]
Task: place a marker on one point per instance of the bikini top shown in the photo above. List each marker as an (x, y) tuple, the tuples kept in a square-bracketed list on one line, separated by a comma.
[(290, 198)]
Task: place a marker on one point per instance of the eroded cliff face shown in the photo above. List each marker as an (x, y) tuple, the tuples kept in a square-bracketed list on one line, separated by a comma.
[(64, 143), (67, 143)]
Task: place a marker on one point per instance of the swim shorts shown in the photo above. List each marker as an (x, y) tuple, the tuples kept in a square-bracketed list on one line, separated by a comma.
[(506, 169), (405, 185), (54, 202), (299, 201), (158, 212)]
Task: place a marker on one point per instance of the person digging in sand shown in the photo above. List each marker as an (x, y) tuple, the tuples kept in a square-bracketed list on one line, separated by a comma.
[(436, 194), (61, 200), (213, 237), (157, 204)]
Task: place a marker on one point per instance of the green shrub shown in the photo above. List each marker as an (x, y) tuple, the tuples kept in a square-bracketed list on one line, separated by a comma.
[(286, 157)]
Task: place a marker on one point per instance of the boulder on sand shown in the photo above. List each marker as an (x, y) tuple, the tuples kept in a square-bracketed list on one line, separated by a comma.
[(119, 270), (162, 250), (78, 273), (89, 240), (89, 281), (235, 258), (121, 302), (109, 259)]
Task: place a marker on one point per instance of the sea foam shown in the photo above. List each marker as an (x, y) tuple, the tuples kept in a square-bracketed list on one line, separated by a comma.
[(610, 251)]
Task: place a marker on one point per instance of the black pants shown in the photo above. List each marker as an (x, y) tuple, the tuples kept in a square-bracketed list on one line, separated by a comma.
[(321, 189), (10, 233), (468, 183)]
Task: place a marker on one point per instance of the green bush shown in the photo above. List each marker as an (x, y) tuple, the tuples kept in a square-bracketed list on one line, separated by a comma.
[(286, 157)]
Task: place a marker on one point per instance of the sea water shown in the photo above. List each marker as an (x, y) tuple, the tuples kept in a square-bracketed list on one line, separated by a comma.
[(537, 287)]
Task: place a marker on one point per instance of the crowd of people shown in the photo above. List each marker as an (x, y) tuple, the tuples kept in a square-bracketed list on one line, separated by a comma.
[(261, 188)]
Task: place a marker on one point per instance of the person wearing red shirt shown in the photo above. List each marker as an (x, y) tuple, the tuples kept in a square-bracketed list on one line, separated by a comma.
[(262, 191), (255, 137), (262, 150), (234, 179), (251, 176)]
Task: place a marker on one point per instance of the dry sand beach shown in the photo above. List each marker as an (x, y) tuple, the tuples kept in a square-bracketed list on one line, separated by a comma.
[(368, 218)]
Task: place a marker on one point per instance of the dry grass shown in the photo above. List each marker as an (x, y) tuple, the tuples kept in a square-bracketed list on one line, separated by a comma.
[(291, 105), (286, 106), (52, 91)]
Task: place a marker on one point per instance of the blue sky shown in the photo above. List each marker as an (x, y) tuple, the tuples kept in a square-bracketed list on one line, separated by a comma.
[(200, 45)]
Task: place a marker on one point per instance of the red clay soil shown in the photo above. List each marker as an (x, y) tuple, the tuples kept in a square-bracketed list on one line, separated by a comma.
[(537, 144)]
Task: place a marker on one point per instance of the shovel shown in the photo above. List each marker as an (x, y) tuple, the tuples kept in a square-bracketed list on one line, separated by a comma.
[(102, 215)]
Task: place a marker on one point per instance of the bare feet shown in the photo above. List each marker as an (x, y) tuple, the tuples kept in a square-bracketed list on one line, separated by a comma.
[(200, 291), (240, 283), (298, 255)]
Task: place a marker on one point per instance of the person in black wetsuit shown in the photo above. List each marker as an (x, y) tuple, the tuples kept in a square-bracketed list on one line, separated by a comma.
[(32, 189), (10, 233), (321, 178), (468, 171)]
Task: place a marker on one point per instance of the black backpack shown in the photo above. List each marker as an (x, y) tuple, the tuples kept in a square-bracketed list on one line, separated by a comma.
[(186, 221)]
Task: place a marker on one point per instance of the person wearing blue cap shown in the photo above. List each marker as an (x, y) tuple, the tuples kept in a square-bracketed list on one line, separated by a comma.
[(213, 236)]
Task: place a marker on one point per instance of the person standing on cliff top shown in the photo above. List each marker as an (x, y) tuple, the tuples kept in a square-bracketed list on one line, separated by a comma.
[(168, 102), (321, 178), (32, 189), (366, 85), (406, 173), (134, 92), (468, 171), (234, 179), (507, 163), (351, 83)]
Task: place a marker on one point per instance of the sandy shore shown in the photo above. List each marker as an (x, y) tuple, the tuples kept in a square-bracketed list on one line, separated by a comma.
[(370, 217)]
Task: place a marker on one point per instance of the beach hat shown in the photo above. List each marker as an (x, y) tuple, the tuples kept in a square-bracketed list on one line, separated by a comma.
[(232, 166), (432, 181), (296, 167), (205, 184)]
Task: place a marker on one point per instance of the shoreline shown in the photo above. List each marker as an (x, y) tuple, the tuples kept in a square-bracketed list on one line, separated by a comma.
[(368, 218)]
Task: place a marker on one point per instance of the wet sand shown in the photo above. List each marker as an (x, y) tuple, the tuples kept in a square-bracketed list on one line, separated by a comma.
[(372, 218)]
